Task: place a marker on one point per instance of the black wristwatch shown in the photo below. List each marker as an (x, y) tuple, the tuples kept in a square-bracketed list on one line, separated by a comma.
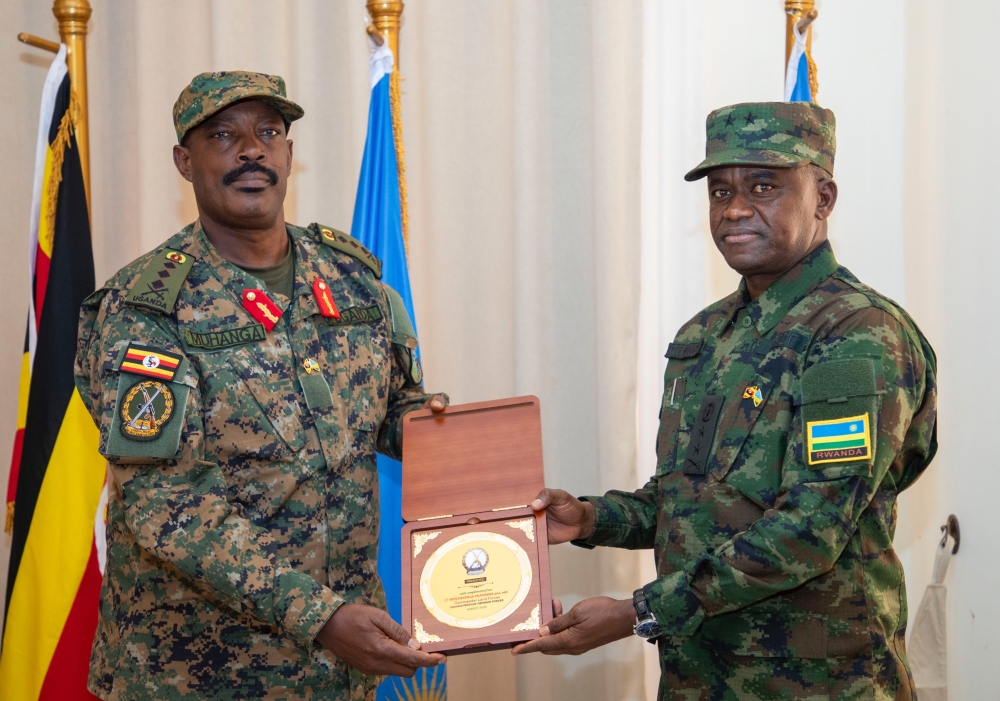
[(645, 625)]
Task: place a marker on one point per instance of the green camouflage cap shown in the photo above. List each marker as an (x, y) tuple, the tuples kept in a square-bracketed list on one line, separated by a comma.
[(210, 92), (773, 134)]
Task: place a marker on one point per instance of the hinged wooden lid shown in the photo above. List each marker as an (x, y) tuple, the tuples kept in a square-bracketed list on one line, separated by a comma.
[(471, 458)]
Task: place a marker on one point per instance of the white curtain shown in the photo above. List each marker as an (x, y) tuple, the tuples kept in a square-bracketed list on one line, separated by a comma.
[(522, 131), (522, 127)]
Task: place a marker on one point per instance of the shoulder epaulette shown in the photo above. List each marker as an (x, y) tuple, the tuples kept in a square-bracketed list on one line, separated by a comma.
[(346, 244), (160, 281)]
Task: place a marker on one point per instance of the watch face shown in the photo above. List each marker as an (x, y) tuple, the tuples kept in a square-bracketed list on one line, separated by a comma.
[(647, 629)]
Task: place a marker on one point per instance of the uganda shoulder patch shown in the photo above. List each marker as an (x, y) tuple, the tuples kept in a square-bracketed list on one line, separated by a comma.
[(161, 281), (151, 362), (346, 244), (838, 440)]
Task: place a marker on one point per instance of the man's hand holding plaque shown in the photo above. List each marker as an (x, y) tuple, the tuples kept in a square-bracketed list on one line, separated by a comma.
[(367, 639), (592, 622)]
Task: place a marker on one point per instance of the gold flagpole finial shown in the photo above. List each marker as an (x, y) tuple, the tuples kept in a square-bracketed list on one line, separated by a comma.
[(800, 14), (73, 17), (795, 12), (386, 16)]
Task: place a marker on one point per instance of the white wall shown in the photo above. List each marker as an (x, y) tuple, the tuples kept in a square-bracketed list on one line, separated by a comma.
[(952, 251), (913, 85)]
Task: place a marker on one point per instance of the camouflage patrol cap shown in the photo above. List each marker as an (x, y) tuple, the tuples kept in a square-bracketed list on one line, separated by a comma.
[(210, 92), (772, 134)]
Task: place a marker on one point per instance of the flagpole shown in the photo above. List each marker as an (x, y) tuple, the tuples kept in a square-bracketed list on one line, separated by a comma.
[(802, 13), (796, 10), (72, 16), (386, 15), (386, 19)]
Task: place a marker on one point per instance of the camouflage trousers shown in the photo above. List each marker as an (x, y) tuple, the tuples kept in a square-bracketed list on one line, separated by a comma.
[(691, 672)]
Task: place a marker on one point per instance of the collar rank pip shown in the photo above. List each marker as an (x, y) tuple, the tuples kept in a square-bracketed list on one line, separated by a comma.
[(261, 308), (324, 298)]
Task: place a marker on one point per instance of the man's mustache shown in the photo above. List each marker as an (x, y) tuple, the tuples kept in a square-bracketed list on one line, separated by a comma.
[(249, 167)]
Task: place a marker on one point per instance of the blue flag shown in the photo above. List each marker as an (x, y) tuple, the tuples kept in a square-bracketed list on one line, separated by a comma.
[(378, 225), (797, 87)]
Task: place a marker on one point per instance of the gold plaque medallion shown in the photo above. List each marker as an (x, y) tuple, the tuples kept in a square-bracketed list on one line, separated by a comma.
[(475, 580)]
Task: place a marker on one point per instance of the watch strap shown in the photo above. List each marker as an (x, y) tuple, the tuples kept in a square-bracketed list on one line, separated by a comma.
[(640, 604)]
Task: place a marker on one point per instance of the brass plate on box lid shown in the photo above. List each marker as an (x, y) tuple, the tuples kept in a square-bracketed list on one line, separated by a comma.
[(475, 580)]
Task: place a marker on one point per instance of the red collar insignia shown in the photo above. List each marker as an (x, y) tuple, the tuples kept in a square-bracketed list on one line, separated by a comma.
[(261, 308), (324, 298)]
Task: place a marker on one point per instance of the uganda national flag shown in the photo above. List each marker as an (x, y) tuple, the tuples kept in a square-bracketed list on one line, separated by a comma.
[(150, 362), (55, 498)]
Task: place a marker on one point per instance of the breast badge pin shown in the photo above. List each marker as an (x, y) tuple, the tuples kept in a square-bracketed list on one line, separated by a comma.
[(753, 392)]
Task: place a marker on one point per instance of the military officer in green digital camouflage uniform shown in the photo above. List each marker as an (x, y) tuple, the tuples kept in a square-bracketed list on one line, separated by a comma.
[(794, 413), (242, 375)]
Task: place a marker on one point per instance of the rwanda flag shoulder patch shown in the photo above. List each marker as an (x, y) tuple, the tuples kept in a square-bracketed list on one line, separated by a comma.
[(151, 362), (839, 440)]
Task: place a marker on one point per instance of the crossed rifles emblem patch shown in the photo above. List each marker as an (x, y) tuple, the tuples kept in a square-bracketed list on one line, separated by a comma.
[(146, 409)]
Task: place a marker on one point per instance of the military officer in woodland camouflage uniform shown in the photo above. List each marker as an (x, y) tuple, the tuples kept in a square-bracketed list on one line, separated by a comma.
[(242, 375), (794, 413)]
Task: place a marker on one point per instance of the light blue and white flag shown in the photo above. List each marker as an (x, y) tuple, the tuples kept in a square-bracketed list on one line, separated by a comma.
[(797, 87), (378, 225)]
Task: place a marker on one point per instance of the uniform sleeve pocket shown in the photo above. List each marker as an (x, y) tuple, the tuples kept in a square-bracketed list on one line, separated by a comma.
[(839, 416), (666, 440)]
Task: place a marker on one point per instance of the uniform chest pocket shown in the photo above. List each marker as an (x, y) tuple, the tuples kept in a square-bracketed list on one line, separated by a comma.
[(721, 426), (839, 416), (252, 408), (368, 379)]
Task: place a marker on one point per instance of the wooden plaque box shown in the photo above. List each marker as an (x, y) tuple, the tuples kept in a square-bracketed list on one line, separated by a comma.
[(475, 556)]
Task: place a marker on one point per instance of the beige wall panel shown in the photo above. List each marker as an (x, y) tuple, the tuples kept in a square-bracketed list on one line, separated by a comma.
[(522, 137)]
